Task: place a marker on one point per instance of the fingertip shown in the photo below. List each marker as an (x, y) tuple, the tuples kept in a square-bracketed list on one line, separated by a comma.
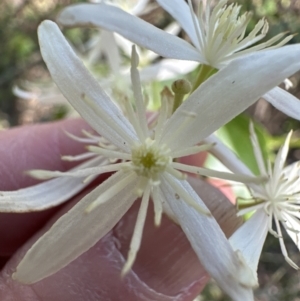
[(38, 146)]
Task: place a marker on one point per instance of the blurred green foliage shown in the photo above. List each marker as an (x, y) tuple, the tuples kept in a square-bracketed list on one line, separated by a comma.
[(282, 15), (19, 50), (236, 135)]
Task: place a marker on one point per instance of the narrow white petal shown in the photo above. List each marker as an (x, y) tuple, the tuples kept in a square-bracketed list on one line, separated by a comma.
[(228, 93), (74, 233), (19, 92), (292, 224), (139, 7), (227, 157), (281, 157), (183, 196), (204, 234), (284, 102), (167, 69), (79, 87), (110, 48), (257, 150), (138, 93), (106, 196), (173, 28), (45, 195), (192, 150), (130, 27), (237, 177), (250, 238), (84, 172), (180, 11), (123, 43), (44, 95), (94, 49)]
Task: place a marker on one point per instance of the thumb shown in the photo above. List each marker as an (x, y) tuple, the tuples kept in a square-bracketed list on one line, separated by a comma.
[(166, 267)]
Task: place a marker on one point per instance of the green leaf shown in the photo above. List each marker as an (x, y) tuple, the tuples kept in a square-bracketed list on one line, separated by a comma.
[(235, 134)]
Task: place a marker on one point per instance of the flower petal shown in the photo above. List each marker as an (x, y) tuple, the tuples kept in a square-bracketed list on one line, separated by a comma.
[(257, 150), (46, 195), (281, 158), (284, 102), (230, 160), (106, 45), (139, 7), (81, 89), (76, 229), (181, 12), (228, 93), (166, 69), (43, 97), (130, 27), (250, 238), (204, 234), (206, 172), (292, 223), (226, 156)]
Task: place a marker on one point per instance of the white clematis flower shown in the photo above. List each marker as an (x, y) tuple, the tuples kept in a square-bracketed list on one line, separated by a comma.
[(109, 45), (149, 168), (278, 200), (217, 36), (101, 44), (220, 34)]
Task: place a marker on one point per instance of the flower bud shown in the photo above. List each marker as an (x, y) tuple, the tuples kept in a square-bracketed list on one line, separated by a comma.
[(181, 86)]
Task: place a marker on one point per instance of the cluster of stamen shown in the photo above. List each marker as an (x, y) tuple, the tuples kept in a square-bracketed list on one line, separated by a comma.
[(149, 160), (222, 36)]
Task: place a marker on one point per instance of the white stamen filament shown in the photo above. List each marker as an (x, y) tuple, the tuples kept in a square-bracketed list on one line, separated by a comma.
[(218, 174), (109, 153), (78, 157), (45, 175), (80, 139), (137, 233)]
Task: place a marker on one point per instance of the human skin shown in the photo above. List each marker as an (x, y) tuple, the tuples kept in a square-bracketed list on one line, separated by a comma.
[(166, 267)]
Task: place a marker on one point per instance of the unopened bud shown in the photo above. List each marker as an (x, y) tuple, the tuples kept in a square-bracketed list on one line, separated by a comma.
[(181, 86)]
